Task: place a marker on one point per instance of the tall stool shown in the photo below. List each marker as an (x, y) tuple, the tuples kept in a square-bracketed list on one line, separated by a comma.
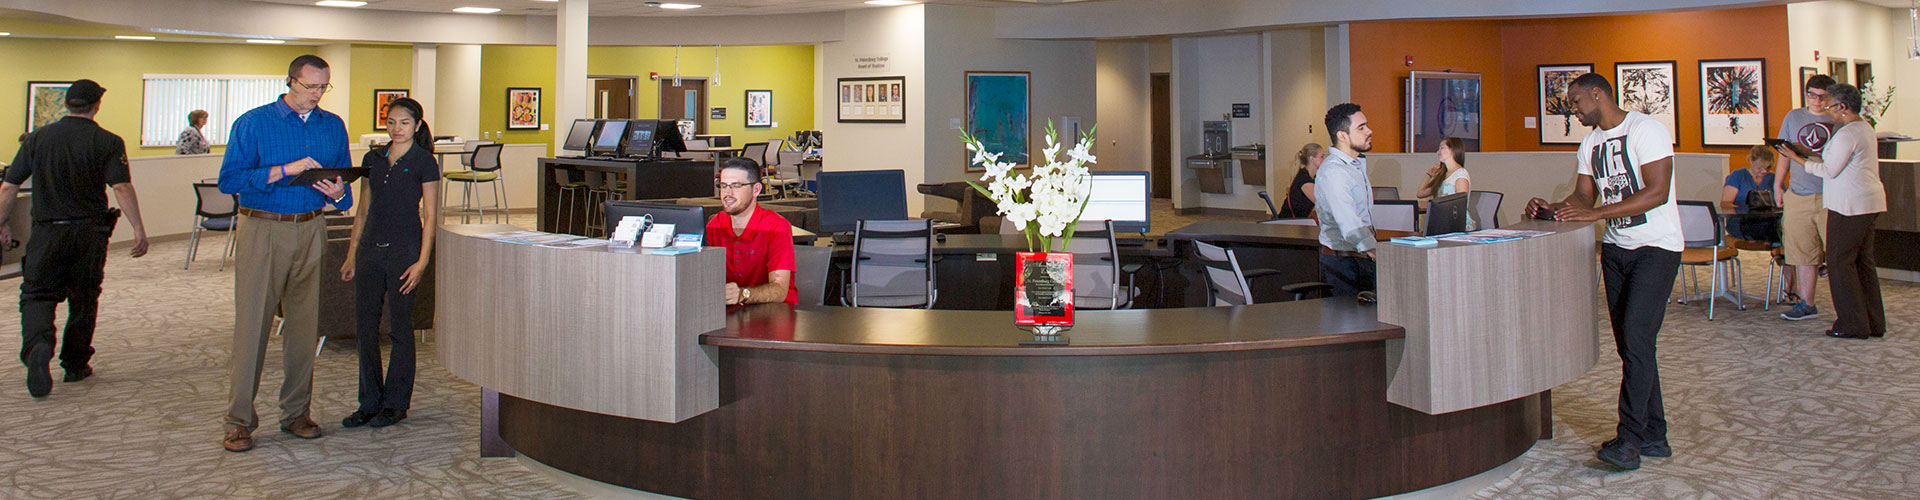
[(599, 190), (486, 169), (569, 190)]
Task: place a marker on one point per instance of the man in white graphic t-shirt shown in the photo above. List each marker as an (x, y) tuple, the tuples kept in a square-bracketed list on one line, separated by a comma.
[(1626, 164)]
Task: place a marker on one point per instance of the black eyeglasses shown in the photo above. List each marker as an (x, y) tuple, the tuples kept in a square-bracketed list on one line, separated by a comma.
[(725, 186)]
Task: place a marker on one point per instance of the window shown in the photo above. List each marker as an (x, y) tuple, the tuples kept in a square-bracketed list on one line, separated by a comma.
[(169, 98)]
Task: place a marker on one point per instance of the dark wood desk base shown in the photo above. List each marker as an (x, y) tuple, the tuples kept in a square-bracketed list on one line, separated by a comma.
[(1310, 422)]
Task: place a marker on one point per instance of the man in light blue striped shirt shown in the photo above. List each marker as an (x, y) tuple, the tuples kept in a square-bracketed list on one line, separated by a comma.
[(1346, 204)]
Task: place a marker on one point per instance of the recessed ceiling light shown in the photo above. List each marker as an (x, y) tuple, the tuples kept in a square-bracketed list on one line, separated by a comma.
[(476, 10), (890, 3), (256, 40), (679, 6), (3, 33), (132, 37), (340, 3)]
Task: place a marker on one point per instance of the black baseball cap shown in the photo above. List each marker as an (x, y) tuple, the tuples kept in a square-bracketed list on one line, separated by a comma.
[(84, 93)]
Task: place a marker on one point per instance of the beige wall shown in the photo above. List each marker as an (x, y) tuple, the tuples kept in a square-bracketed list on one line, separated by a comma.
[(1123, 89), (1210, 75), (1547, 175), (1848, 30), (899, 33), (1298, 102)]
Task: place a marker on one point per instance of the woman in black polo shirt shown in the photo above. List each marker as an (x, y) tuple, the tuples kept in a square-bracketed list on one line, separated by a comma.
[(389, 251)]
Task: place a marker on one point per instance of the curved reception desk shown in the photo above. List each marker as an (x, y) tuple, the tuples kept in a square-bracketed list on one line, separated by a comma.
[(1280, 400)]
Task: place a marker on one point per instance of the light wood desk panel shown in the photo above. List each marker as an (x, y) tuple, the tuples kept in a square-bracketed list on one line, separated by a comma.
[(1488, 323), (596, 330)]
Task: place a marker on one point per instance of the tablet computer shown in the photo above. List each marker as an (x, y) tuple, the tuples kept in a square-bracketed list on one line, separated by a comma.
[(1796, 147), (346, 174)]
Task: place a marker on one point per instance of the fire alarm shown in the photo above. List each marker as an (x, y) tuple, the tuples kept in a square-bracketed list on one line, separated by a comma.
[(1409, 61), (653, 75), (1816, 55)]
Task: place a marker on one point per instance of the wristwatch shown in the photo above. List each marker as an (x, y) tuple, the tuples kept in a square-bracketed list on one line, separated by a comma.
[(745, 293), (342, 197)]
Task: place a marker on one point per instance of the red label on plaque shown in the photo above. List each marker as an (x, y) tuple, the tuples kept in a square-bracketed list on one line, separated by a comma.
[(1043, 289)]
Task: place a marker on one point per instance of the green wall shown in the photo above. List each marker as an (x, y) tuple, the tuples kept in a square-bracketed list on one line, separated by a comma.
[(375, 67), (118, 66), (787, 70)]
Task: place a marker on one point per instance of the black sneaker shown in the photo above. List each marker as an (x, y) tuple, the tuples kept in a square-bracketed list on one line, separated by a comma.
[(1656, 449), (387, 417), (78, 375), (358, 418), (1616, 453), (39, 375)]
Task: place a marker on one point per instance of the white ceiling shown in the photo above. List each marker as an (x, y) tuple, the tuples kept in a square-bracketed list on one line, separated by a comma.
[(638, 7)]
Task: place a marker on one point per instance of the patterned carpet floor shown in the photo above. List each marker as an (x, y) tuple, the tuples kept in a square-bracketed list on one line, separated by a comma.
[(1760, 408)]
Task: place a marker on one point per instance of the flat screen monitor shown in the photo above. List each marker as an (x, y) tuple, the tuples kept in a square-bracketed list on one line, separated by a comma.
[(1122, 198), (606, 140), (667, 138), (639, 140), (1447, 214), (847, 198), (686, 219), (580, 136)]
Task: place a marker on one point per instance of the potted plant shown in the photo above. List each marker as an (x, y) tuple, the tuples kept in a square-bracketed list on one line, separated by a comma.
[(1045, 203)]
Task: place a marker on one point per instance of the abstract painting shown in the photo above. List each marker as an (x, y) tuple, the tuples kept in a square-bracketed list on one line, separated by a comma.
[(759, 108), (1649, 87), (523, 108), (381, 99), (1733, 107), (866, 100), (1558, 125), (997, 113), (46, 103)]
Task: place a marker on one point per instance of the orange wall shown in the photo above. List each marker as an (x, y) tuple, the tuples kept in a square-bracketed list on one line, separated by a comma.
[(1380, 49), (1379, 66)]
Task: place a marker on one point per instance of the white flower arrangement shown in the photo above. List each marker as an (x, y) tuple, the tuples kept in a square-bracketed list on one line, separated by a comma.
[(1046, 203)]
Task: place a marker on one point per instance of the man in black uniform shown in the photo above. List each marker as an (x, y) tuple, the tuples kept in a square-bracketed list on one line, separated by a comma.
[(73, 161)]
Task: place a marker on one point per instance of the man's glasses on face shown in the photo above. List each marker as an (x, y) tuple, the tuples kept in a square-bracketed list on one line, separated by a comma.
[(318, 89), (738, 185)]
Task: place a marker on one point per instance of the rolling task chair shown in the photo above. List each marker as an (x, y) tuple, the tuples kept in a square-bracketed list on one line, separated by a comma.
[(1097, 269), (892, 265), (1227, 283)]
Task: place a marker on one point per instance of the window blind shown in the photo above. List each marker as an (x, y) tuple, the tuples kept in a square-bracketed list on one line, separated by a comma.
[(169, 98)]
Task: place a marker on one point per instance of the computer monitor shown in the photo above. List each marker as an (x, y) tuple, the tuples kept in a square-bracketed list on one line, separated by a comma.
[(580, 136), (847, 198), (639, 140), (1447, 214), (1122, 198), (606, 140), (686, 219), (667, 138)]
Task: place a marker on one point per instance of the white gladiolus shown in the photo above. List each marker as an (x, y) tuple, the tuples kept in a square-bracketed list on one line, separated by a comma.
[(1045, 202)]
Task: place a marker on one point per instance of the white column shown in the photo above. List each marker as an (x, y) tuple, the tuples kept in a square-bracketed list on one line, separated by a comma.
[(339, 58), (569, 68), (425, 68), (458, 92), (1339, 65)]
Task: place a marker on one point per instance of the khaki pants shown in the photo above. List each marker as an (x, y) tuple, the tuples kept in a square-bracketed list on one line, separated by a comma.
[(276, 268), (1803, 230)]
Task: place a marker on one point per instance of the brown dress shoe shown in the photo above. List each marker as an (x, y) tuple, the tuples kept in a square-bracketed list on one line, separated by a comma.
[(303, 428), (238, 439)]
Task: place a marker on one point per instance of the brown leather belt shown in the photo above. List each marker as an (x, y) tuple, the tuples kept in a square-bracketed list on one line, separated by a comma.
[(262, 214), (1342, 253)]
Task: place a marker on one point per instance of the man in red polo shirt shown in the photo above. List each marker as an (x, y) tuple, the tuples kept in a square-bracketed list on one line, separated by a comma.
[(759, 242)]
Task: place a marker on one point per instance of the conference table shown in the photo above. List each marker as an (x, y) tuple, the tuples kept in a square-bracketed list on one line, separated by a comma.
[(664, 389)]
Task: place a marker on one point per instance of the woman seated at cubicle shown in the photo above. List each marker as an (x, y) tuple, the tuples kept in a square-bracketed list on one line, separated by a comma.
[(1739, 195), (1299, 202), (388, 253), (1449, 175)]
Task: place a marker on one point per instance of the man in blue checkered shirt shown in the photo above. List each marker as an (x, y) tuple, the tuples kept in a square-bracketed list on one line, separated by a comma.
[(281, 237)]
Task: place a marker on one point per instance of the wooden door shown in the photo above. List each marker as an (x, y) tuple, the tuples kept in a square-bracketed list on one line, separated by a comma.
[(685, 101), (1162, 137), (613, 98)]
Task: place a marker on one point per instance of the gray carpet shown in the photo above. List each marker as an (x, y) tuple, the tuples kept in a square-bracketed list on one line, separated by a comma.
[(1760, 408)]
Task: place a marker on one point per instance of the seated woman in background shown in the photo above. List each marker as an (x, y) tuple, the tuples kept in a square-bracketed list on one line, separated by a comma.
[(1299, 202), (1449, 175), (1740, 185)]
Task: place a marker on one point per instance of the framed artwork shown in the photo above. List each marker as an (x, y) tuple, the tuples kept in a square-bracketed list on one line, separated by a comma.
[(523, 108), (862, 100), (1805, 73), (997, 114), (1649, 87), (759, 108), (1733, 109), (1558, 125), (382, 98), (46, 103)]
